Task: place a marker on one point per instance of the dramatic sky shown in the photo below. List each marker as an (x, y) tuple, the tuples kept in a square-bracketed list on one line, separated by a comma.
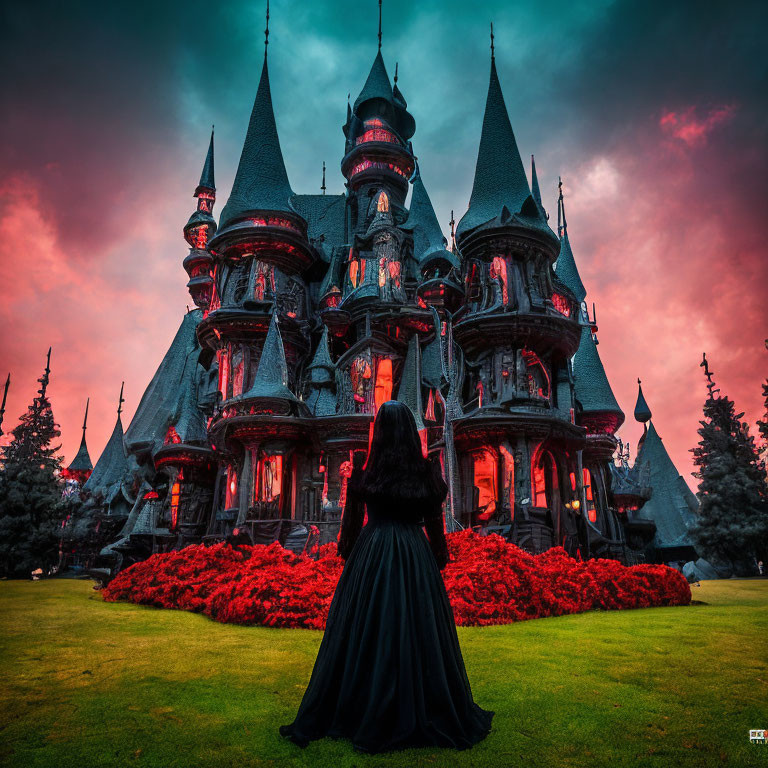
[(654, 113)]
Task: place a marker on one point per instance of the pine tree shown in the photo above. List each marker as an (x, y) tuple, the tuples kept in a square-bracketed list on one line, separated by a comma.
[(733, 516), (30, 491)]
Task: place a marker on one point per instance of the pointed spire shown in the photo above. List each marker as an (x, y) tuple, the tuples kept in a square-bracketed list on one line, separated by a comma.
[(397, 94), (261, 182), (112, 466), (271, 379), (565, 267), (377, 86), (428, 239), (500, 179), (82, 461), (493, 52), (535, 191), (642, 411), (322, 186), (672, 506), (2, 407), (322, 400), (206, 177), (409, 391), (591, 386)]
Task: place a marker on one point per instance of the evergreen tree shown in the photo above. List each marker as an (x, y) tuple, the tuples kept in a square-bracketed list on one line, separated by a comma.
[(30, 491), (733, 516)]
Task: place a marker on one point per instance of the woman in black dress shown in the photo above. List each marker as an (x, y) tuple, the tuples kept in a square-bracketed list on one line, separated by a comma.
[(389, 672)]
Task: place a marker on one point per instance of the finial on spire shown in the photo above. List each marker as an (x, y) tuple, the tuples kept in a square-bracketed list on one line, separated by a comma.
[(379, 24), (85, 418), (266, 32), (2, 407), (120, 401), (395, 73), (562, 226), (322, 186), (493, 52)]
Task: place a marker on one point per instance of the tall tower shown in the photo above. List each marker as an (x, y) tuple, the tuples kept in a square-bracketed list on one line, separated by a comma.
[(517, 443), (257, 326), (198, 231)]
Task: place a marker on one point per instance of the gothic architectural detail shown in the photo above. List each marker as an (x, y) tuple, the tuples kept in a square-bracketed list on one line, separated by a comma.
[(313, 310)]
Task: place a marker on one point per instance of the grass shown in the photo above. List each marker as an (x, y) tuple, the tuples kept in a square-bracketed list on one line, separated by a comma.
[(88, 683)]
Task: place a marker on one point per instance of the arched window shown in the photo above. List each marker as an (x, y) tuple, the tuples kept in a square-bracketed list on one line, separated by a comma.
[(383, 389), (237, 372), (175, 498), (545, 486), (590, 492), (231, 497), (485, 471), (223, 356)]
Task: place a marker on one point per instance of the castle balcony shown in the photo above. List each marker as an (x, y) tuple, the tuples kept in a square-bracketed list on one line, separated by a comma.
[(377, 161), (239, 325), (486, 426), (252, 421), (546, 331), (276, 238), (185, 455), (599, 446)]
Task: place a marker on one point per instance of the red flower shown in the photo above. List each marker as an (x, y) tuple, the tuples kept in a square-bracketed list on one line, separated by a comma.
[(488, 580)]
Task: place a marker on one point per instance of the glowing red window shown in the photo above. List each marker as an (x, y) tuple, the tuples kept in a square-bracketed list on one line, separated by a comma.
[(485, 468), (231, 497)]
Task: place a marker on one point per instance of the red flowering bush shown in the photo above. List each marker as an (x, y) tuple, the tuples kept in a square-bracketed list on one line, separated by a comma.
[(488, 581)]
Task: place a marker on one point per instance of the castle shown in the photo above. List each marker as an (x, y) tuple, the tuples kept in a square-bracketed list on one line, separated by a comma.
[(314, 309)]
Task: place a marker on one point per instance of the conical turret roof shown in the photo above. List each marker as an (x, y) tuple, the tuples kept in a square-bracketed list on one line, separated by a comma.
[(160, 403), (565, 267), (672, 506), (261, 182), (112, 466), (206, 177), (428, 239), (82, 461), (591, 386), (642, 411), (378, 85), (322, 366), (535, 191), (500, 180), (271, 379)]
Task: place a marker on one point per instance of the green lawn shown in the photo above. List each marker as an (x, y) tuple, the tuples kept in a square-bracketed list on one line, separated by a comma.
[(88, 683)]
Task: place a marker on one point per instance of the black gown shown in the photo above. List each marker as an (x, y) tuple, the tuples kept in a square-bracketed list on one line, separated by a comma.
[(389, 673)]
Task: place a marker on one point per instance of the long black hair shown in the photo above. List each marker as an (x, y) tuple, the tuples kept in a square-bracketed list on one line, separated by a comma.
[(396, 466)]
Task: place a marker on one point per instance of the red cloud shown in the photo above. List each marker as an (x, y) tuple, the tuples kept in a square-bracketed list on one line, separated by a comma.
[(689, 128)]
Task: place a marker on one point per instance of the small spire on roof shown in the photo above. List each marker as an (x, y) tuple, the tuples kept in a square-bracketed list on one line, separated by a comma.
[(562, 226), (452, 222), (2, 407), (642, 411), (85, 418), (379, 24), (322, 186), (396, 73), (535, 191), (266, 33), (120, 401)]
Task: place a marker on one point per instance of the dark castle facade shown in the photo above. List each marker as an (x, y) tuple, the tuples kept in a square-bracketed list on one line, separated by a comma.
[(313, 310)]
